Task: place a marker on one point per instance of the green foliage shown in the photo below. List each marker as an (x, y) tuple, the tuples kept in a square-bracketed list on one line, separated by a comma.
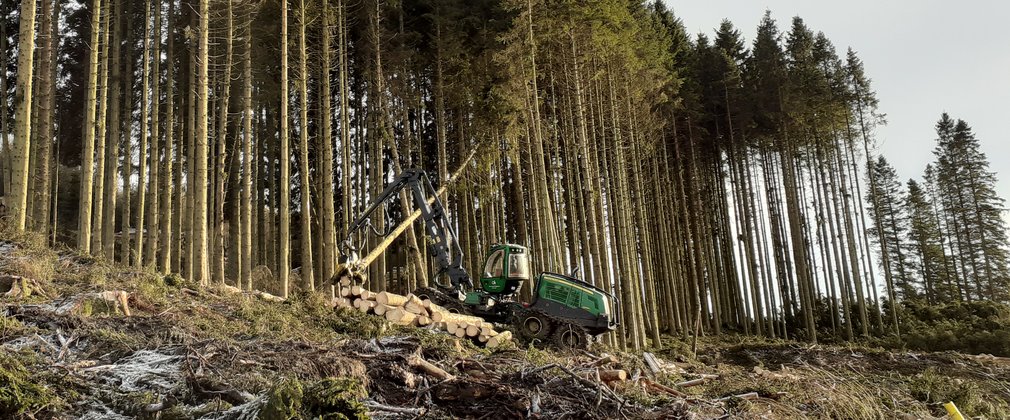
[(330, 398), (283, 401), (970, 327), (20, 394), (336, 399)]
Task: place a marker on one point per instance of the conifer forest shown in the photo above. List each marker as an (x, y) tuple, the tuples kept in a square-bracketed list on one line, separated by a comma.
[(709, 187)]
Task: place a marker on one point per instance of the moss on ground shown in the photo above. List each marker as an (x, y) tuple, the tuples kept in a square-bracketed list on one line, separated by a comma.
[(21, 396), (336, 398), (330, 398)]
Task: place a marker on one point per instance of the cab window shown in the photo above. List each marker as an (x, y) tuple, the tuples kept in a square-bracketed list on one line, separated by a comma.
[(494, 264), (519, 266)]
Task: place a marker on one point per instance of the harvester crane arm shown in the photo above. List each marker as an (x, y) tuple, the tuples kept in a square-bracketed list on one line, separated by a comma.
[(445, 249)]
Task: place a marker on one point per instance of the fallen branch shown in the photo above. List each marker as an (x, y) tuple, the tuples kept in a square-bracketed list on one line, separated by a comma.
[(693, 382), (663, 388), (745, 396), (429, 368), (398, 410)]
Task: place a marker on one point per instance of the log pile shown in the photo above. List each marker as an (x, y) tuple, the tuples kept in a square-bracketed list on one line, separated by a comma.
[(414, 311)]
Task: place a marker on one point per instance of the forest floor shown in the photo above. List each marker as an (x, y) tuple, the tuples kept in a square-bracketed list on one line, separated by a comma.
[(68, 349)]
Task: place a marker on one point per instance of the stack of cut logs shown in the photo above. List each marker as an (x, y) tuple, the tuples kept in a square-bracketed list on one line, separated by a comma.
[(411, 310)]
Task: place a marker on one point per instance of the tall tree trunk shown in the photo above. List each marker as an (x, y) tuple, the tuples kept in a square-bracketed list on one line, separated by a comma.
[(247, 220), (142, 153), (46, 88), (126, 146), (18, 204), (201, 266), (169, 227), (114, 130), (88, 153), (5, 130), (308, 277), (328, 216), (284, 235), (222, 151), (154, 201)]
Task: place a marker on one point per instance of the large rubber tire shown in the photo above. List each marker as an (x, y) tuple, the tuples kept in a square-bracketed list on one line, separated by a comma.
[(532, 325), (571, 337)]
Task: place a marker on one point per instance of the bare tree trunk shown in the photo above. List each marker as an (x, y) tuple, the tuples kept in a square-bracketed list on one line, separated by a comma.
[(308, 277), (169, 227), (201, 266), (18, 203), (247, 159), (88, 154), (151, 245), (46, 89), (328, 217), (5, 130), (101, 131), (142, 153), (108, 224), (126, 139), (284, 236), (222, 154)]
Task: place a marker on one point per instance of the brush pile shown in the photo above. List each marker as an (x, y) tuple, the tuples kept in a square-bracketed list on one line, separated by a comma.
[(418, 312)]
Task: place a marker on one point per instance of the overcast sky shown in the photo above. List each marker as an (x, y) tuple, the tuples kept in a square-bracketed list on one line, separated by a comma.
[(924, 56)]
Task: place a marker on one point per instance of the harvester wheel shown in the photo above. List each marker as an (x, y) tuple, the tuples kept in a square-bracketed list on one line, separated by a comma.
[(532, 325), (572, 337)]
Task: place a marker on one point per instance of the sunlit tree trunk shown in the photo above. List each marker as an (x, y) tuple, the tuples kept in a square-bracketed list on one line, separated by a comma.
[(21, 153), (201, 266)]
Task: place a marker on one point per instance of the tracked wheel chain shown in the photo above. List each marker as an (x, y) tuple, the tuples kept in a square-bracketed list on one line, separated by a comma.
[(554, 339)]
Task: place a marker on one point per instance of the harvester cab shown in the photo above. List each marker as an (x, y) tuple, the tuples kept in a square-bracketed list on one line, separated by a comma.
[(506, 268)]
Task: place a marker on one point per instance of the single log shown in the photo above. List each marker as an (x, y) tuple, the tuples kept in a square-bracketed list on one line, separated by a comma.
[(429, 368), (364, 305), (450, 327), (483, 338), (460, 331), (345, 291), (365, 294), (356, 290), (412, 299), (343, 302), (605, 360), (459, 318), (610, 375), (400, 316), (472, 330), (501, 338), (423, 320), (381, 309), (391, 299), (487, 328)]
